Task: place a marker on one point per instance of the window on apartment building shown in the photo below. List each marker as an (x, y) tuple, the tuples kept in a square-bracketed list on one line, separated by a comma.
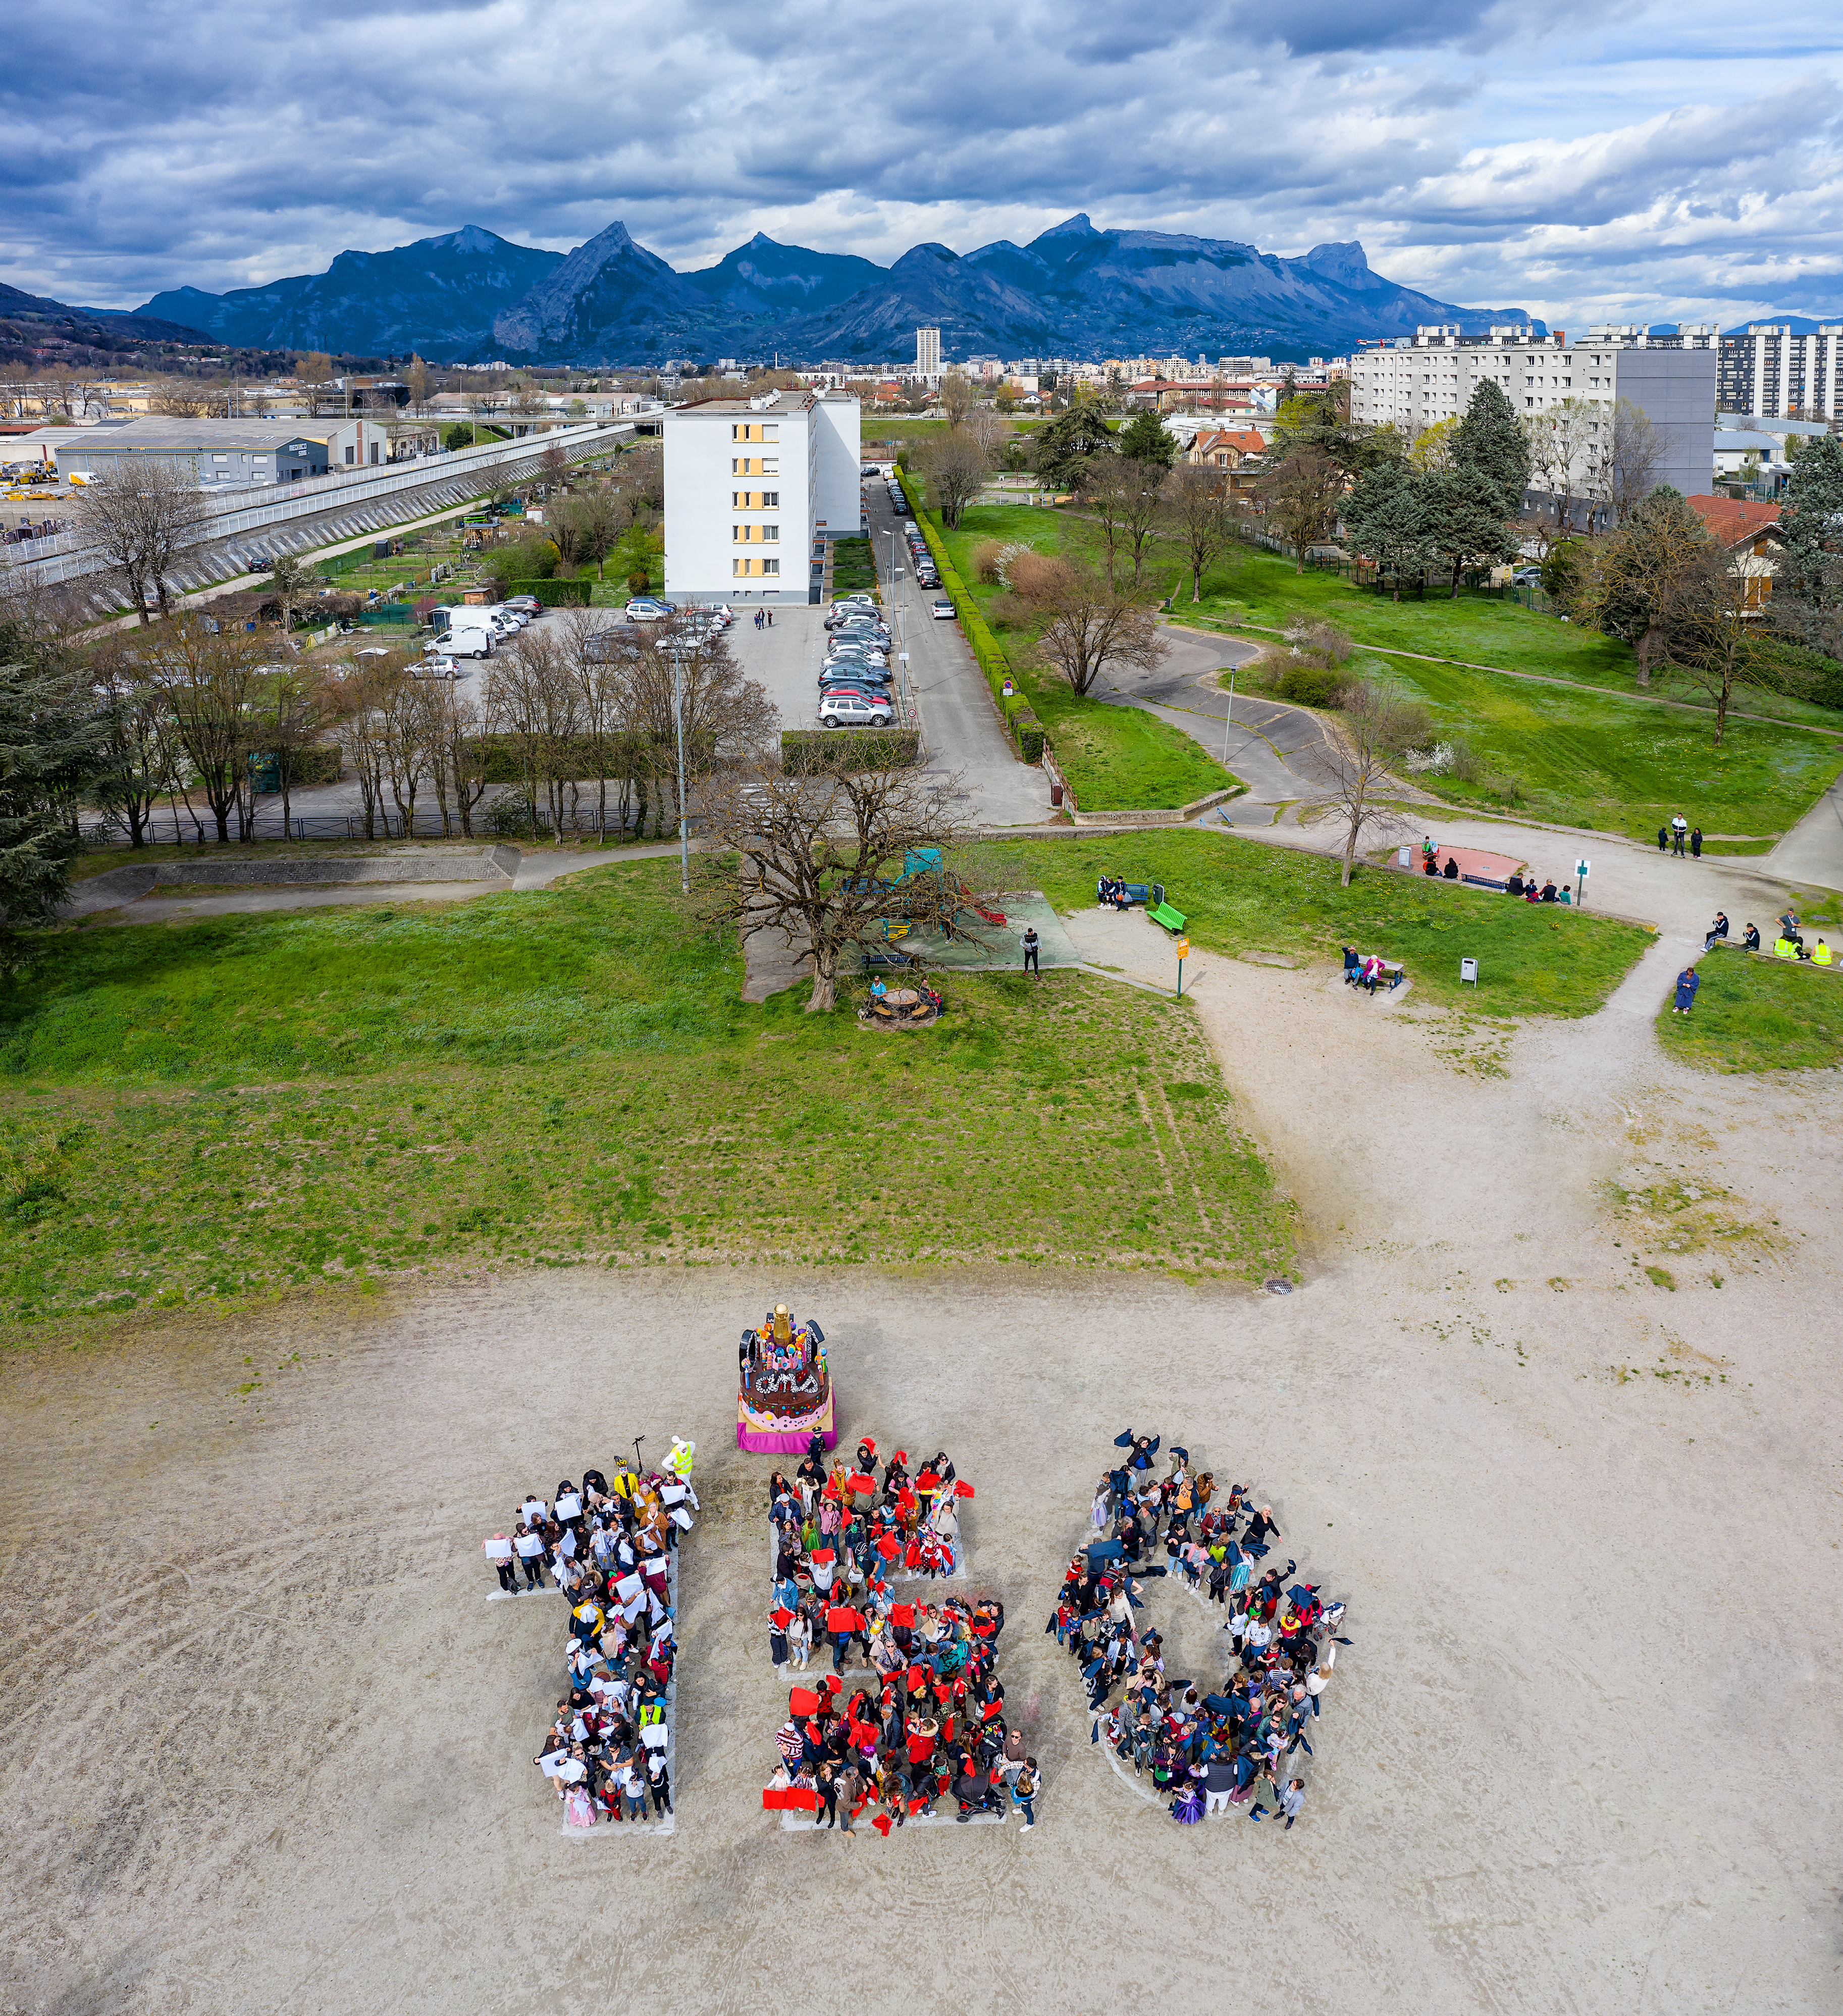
[(351, 453)]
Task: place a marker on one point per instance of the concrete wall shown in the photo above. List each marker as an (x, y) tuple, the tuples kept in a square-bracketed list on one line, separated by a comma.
[(1676, 390), (117, 885), (837, 496)]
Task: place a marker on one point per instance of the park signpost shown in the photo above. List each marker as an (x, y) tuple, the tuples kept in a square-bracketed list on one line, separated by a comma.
[(1581, 868), (1182, 946)]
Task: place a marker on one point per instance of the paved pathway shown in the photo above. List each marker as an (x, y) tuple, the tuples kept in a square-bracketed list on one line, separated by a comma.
[(1812, 851)]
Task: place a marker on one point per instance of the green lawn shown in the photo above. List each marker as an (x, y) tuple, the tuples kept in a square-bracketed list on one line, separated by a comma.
[(1241, 896), (853, 566), (1584, 758), (1117, 758), (1754, 1014), (1252, 588), (238, 1104)]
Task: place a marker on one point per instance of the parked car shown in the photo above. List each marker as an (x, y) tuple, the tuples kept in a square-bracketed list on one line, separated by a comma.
[(650, 609), (1527, 576), (529, 603), (941, 609), (840, 711), (868, 681), (877, 697), (855, 630), (857, 660)]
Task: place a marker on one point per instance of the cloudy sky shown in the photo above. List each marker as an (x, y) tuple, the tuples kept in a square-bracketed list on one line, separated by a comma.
[(1629, 159)]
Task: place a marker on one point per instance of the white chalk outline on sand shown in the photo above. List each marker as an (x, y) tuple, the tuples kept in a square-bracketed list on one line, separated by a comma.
[(790, 1825)]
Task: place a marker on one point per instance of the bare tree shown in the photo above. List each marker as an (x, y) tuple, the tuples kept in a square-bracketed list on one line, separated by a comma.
[(553, 467), (1298, 498), (589, 520), (1123, 494), (815, 856), (535, 702), (730, 720), (956, 397), (955, 466), (1565, 442), (140, 748), (1087, 623), (1631, 454), (291, 716), (416, 380), (181, 400), (1196, 498), (1638, 583), (210, 678), (314, 368), (989, 429), (1376, 727), (139, 515), (605, 697)]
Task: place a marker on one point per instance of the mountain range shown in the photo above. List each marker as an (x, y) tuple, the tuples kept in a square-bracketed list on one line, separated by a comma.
[(98, 328), (471, 296)]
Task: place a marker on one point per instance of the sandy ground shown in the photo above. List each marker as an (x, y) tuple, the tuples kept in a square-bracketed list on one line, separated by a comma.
[(266, 1747)]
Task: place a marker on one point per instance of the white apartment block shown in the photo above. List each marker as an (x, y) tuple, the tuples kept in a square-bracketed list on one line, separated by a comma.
[(1772, 373), (751, 486), (927, 354), (1416, 384)]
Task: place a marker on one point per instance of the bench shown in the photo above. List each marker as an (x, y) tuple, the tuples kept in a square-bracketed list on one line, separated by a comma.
[(1162, 912), (1394, 973)]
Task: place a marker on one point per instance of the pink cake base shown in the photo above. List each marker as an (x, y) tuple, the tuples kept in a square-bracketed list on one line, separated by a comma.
[(788, 1436)]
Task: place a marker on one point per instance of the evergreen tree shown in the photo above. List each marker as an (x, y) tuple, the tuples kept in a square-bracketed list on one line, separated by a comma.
[(1808, 596), (1490, 439), (1465, 520), (53, 741), (1386, 514), (1144, 438), (1062, 447)]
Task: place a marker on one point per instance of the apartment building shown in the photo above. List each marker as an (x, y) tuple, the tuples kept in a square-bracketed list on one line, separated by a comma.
[(751, 485), (927, 354), (1769, 371), (1417, 382)]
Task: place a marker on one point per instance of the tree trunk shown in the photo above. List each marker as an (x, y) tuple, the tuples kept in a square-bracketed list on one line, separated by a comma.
[(1350, 851), (1197, 581), (825, 985)]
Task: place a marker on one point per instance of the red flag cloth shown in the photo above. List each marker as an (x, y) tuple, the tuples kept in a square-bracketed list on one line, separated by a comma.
[(833, 1684), (918, 1679), (822, 1555), (992, 1708), (883, 1823), (902, 1614), (804, 1701), (920, 1749), (915, 1805), (906, 1502), (912, 1556), (962, 1488), (841, 1617), (889, 1546), (858, 1481), (927, 1480), (783, 1617), (943, 1693), (802, 1797)]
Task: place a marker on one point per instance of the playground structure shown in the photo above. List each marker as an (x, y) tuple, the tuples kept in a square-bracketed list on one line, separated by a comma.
[(786, 1396), (925, 875)]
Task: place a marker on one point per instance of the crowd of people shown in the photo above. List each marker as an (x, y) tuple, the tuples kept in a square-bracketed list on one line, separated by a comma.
[(610, 1548), (1525, 889), (921, 1729), (834, 1525), (1202, 1745)]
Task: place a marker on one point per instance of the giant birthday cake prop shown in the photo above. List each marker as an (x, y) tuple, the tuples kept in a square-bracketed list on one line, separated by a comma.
[(786, 1391)]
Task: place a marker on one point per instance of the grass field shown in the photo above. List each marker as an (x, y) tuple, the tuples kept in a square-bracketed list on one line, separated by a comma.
[(1755, 1014), (568, 1077), (1117, 758), (1252, 588), (1239, 896), (1583, 758)]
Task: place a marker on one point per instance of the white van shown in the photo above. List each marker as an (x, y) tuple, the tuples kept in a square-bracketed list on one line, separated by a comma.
[(469, 634)]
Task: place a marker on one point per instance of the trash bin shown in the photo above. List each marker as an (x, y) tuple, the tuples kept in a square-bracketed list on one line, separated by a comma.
[(1468, 970), (1056, 794)]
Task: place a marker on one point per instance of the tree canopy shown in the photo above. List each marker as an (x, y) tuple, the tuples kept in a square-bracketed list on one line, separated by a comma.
[(1490, 439)]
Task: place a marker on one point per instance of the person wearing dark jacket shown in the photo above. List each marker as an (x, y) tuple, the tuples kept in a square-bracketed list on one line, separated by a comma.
[(1717, 931), (1750, 939), (1451, 870)]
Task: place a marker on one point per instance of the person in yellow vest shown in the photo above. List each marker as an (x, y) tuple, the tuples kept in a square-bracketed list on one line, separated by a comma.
[(1782, 948), (1822, 955)]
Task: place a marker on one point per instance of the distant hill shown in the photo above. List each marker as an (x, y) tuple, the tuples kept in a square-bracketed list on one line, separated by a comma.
[(1073, 291), (105, 328), (438, 296)]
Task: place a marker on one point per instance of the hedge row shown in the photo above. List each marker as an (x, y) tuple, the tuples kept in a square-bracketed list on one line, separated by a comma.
[(806, 752), (319, 763), (553, 594), (1026, 729)]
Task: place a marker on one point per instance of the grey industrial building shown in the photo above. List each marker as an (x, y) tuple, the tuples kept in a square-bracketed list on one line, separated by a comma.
[(220, 454)]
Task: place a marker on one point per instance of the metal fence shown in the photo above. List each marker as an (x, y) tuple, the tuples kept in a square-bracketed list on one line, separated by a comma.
[(163, 830)]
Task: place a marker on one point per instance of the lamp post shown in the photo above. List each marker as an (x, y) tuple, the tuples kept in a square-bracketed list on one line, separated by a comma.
[(1228, 717)]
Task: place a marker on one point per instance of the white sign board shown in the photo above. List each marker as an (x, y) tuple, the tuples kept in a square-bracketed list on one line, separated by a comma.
[(498, 1551), (569, 1506)]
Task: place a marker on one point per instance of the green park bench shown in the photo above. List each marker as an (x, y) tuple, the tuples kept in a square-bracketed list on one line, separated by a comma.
[(1162, 912)]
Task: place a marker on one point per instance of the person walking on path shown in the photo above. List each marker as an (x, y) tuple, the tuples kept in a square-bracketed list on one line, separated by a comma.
[(1696, 843), (1663, 839), (1032, 946), (1686, 984), (1679, 832), (1024, 1793)]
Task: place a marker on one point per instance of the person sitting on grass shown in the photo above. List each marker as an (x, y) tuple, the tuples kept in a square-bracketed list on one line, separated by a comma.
[(1548, 892), (1687, 981), (1532, 891), (1451, 870), (1514, 886)]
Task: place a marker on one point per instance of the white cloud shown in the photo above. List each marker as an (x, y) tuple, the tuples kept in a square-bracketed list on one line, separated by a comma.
[(1626, 159)]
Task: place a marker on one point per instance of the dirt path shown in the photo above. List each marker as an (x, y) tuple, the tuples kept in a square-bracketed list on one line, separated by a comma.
[(264, 1746)]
